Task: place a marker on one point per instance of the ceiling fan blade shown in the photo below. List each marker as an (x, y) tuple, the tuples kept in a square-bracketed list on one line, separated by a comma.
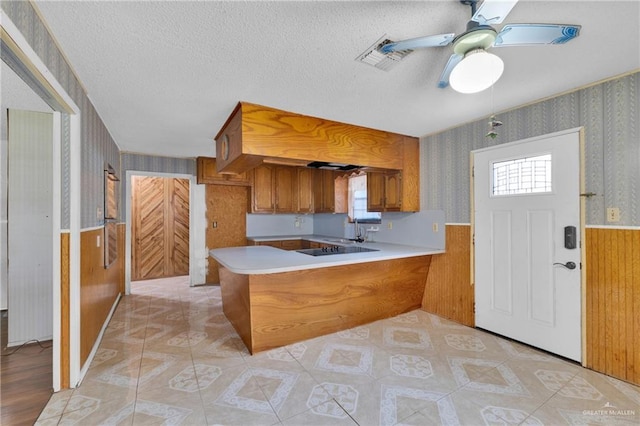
[(451, 63), (532, 34), (419, 42), (493, 12)]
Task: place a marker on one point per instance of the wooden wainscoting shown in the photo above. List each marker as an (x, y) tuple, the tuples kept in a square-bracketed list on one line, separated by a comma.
[(99, 287), (613, 302), (449, 292)]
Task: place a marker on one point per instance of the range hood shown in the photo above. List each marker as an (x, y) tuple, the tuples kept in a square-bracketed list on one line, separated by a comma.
[(332, 166)]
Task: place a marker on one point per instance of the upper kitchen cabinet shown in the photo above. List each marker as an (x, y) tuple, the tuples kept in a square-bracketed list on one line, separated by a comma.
[(330, 191), (207, 173), (255, 134), (384, 191), (305, 199), (277, 189)]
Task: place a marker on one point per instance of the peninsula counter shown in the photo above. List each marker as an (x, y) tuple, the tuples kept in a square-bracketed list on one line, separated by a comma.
[(275, 297)]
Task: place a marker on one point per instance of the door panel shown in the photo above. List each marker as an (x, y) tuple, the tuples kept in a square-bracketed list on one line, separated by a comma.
[(525, 193), (180, 219), (501, 284), (160, 231)]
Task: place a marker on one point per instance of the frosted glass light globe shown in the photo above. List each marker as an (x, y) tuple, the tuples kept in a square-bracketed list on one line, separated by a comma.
[(478, 71)]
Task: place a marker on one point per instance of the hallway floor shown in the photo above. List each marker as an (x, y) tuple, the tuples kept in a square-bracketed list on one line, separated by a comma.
[(169, 356)]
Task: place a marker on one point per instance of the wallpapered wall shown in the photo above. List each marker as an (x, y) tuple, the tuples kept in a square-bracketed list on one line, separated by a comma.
[(610, 115), (149, 163), (98, 147)]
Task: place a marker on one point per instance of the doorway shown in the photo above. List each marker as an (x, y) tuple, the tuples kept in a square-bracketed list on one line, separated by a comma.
[(528, 226), (160, 227)]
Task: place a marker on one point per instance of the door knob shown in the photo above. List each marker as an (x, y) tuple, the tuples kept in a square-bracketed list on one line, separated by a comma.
[(568, 265)]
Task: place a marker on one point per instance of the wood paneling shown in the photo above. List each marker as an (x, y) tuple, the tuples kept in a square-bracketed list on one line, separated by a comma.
[(226, 221), (449, 292), (160, 229), (236, 307), (411, 175), (288, 307), (64, 309), (99, 287), (254, 134), (207, 173), (258, 131), (613, 302)]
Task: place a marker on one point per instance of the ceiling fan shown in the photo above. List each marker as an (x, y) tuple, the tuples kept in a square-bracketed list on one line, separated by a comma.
[(471, 68)]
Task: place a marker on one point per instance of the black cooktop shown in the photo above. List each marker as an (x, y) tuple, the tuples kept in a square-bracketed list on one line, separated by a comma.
[(324, 251)]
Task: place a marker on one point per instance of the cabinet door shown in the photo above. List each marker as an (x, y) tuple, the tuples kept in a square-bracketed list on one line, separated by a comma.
[(393, 192), (305, 190), (328, 190), (285, 189), (276, 243), (263, 189), (291, 244), (375, 191), (318, 203), (341, 194), (324, 191), (207, 173)]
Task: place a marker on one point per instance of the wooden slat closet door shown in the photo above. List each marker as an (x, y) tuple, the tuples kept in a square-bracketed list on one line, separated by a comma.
[(160, 227)]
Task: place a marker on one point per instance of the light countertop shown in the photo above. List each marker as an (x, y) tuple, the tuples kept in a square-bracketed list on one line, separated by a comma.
[(269, 260)]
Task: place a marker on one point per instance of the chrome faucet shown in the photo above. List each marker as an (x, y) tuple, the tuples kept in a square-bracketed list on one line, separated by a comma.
[(357, 232)]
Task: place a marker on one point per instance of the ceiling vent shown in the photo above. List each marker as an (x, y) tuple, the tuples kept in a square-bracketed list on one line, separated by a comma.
[(384, 61)]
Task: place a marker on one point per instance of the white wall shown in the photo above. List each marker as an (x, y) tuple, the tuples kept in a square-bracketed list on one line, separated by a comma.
[(30, 226)]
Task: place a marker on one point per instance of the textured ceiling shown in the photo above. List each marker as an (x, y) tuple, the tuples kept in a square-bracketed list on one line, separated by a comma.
[(164, 76)]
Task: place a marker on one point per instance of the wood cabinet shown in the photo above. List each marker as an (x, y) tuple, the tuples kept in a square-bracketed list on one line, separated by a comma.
[(324, 191), (285, 188), (207, 173), (263, 191), (281, 244), (255, 134), (282, 189), (384, 191), (306, 198), (330, 191)]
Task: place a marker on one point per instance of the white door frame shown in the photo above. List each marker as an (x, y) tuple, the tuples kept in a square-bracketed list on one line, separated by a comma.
[(583, 271), (20, 48), (197, 226)]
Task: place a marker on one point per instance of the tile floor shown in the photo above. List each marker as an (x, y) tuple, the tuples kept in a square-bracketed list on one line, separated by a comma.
[(169, 356)]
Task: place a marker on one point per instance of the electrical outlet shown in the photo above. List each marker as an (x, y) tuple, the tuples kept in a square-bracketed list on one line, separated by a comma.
[(390, 225), (434, 227), (613, 214)]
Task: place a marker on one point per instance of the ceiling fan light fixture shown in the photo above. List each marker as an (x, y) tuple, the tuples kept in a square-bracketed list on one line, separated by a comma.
[(478, 71)]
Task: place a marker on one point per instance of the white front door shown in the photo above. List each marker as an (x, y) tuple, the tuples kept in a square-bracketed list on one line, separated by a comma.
[(527, 277)]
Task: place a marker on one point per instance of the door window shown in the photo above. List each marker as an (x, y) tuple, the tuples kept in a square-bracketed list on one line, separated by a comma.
[(521, 176)]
